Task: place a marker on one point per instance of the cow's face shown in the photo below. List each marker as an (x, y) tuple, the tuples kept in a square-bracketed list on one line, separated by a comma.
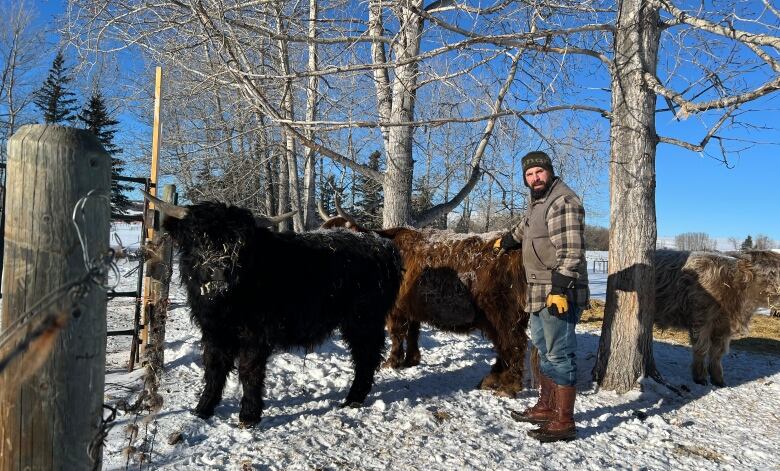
[(213, 240), (216, 243), (766, 267)]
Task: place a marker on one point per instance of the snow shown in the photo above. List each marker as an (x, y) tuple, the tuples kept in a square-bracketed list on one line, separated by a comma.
[(431, 417)]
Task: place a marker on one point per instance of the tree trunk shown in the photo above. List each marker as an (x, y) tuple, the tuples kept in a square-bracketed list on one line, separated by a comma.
[(290, 158), (626, 346), (309, 169), (400, 166), (51, 421), (384, 98), (282, 180)]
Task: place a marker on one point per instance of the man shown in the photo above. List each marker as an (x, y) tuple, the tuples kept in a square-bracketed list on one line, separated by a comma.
[(551, 235)]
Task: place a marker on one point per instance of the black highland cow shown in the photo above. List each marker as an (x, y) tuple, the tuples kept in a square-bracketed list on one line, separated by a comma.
[(253, 292)]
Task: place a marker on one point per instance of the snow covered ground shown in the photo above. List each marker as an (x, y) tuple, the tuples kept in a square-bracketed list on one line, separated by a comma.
[(431, 418)]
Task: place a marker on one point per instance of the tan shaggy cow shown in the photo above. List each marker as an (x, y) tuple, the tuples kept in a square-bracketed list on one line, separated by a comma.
[(713, 296)]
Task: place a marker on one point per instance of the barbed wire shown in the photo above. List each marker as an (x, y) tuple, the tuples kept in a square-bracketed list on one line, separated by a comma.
[(95, 447), (97, 271), (96, 274)]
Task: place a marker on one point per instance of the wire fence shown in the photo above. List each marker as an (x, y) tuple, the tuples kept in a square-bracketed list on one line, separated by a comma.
[(45, 319)]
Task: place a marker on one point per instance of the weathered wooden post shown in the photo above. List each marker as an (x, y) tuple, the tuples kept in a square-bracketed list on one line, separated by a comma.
[(49, 420), (159, 271)]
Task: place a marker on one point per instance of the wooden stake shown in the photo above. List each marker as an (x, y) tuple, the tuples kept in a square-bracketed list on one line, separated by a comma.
[(49, 421), (156, 129)]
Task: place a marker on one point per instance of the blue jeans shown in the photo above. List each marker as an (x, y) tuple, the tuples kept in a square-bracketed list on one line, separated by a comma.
[(556, 341)]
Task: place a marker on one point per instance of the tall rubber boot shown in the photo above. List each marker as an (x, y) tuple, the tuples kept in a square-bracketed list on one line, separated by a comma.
[(544, 409), (561, 428)]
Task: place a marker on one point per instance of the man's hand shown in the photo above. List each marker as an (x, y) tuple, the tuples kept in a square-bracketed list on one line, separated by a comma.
[(506, 242), (557, 304), (557, 300)]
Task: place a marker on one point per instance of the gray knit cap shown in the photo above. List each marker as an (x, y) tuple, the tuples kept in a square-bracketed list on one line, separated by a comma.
[(537, 158)]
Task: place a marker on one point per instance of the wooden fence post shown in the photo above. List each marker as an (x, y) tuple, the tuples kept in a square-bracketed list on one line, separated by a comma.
[(49, 420), (159, 270)]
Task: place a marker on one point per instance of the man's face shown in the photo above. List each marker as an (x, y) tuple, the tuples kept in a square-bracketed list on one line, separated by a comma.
[(538, 179)]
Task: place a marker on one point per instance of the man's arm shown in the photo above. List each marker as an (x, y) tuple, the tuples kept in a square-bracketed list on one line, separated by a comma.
[(566, 226), (513, 239)]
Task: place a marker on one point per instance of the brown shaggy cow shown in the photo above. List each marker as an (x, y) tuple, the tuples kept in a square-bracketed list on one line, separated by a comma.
[(713, 296), (458, 284)]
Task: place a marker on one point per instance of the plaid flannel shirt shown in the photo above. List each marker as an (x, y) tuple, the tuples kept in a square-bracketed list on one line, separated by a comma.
[(566, 226)]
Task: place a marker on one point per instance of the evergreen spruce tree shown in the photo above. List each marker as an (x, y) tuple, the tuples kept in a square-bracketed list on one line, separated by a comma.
[(368, 196), (97, 120), (53, 98), (747, 244), (327, 194)]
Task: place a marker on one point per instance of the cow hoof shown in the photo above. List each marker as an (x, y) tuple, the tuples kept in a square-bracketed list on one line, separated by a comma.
[(507, 392), (248, 423), (719, 383), (203, 414), (393, 363), (703, 382), (489, 382), (351, 404)]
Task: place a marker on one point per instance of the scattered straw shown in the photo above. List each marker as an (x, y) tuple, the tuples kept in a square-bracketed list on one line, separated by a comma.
[(763, 336)]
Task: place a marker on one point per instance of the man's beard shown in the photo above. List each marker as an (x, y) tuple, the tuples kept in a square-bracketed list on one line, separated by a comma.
[(536, 194)]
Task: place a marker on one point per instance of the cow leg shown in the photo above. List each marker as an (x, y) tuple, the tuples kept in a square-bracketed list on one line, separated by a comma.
[(397, 329), (251, 372), (366, 342), (217, 363), (719, 345), (412, 344), (512, 355), (700, 343), (492, 380)]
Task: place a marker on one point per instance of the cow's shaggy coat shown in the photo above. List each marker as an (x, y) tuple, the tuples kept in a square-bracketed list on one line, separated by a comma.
[(713, 296), (459, 284), (253, 292)]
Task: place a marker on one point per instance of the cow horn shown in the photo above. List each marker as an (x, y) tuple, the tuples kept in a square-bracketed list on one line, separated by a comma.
[(178, 212), (321, 210), (266, 221), (342, 213)]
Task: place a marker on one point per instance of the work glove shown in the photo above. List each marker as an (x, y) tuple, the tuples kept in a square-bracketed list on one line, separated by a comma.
[(506, 242), (557, 300)]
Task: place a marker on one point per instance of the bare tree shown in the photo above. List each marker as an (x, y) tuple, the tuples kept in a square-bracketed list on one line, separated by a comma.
[(714, 62), (763, 242), (694, 241), (19, 56), (312, 99), (258, 50)]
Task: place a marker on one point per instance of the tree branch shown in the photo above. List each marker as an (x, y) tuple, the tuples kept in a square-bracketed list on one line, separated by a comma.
[(688, 107), (729, 32), (429, 215), (701, 145)]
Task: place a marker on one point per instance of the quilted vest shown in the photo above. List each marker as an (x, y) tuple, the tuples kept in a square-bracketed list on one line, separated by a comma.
[(539, 257)]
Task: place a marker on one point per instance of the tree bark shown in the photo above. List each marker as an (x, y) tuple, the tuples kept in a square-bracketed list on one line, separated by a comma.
[(384, 97), (288, 109), (626, 346), (400, 166), (309, 169)]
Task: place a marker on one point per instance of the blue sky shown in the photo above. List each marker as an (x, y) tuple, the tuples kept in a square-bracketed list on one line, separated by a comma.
[(694, 192), (697, 193)]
